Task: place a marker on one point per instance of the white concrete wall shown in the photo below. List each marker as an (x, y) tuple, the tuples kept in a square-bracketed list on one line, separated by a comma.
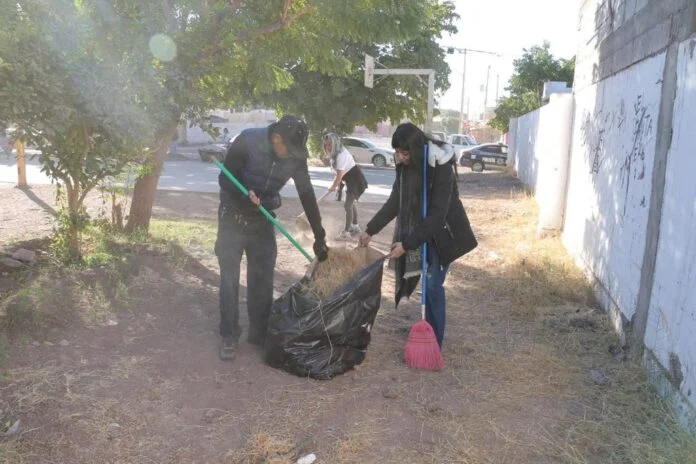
[(512, 143), (610, 180), (672, 318), (526, 131), (540, 148), (552, 155)]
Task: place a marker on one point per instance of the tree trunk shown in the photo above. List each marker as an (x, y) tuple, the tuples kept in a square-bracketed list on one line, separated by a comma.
[(146, 185), (21, 165), (74, 222)]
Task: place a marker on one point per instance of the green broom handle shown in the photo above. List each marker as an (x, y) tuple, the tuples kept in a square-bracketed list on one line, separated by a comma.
[(264, 211)]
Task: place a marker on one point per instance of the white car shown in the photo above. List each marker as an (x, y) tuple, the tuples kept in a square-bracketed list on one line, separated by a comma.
[(366, 152)]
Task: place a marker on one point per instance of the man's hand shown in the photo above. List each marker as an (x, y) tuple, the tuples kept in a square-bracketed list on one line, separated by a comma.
[(321, 251), (254, 199), (397, 250), (364, 239)]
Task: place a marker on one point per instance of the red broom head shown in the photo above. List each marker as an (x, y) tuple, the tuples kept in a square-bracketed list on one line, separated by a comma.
[(421, 350)]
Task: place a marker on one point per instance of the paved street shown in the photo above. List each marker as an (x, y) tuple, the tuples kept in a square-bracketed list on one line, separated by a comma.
[(196, 176)]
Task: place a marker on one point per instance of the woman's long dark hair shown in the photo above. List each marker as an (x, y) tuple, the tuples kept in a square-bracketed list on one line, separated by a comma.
[(408, 137)]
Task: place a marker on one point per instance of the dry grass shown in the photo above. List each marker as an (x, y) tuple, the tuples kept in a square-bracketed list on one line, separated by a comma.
[(524, 333), (263, 448), (340, 267), (537, 364)]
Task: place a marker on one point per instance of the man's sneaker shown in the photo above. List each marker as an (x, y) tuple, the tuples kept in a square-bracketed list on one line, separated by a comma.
[(228, 349), (355, 230), (344, 235)]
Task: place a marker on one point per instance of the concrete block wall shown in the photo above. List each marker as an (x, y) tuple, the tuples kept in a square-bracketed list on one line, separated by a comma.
[(613, 148), (539, 150), (671, 321), (631, 195), (616, 34), (523, 148)]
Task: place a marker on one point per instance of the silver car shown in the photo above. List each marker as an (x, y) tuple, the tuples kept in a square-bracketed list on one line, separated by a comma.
[(366, 152)]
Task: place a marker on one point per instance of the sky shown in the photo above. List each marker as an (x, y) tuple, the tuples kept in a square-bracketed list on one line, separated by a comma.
[(505, 27)]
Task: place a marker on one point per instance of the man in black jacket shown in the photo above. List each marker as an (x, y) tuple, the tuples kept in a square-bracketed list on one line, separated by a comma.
[(263, 160)]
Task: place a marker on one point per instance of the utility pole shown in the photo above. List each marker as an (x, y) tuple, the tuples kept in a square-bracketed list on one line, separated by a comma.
[(497, 86), (461, 108), (485, 101), (465, 51)]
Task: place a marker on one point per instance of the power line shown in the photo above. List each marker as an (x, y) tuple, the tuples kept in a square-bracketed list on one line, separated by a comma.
[(465, 51)]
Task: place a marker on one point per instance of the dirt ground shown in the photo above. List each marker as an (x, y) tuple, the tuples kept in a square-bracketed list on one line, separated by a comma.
[(118, 363)]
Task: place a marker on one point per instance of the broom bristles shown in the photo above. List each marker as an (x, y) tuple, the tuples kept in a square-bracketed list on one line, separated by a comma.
[(421, 350)]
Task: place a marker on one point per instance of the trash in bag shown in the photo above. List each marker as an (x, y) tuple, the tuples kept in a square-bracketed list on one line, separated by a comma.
[(321, 338)]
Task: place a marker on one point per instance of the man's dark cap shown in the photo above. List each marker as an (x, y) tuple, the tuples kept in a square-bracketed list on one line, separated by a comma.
[(294, 132)]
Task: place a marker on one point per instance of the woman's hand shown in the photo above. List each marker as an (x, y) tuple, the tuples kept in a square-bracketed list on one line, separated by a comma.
[(397, 250), (254, 199), (364, 239)]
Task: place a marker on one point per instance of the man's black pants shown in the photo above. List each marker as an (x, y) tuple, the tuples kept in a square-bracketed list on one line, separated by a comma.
[(255, 236)]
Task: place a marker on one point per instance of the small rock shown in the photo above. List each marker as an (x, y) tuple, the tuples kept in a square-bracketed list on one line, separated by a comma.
[(64, 343), (11, 263), (389, 393), (5, 274), (597, 377), (308, 459), (35, 343), (493, 256), (14, 429), (26, 256), (113, 429), (111, 323), (47, 343)]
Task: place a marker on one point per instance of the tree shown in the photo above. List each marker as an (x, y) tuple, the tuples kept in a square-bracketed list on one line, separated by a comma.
[(526, 86), (233, 52), (339, 101), (168, 59), (66, 98)]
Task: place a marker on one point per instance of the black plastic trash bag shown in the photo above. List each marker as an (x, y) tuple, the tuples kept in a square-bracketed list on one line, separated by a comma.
[(321, 339)]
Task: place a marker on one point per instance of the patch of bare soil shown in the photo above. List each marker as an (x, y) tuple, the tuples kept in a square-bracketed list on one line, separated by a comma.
[(127, 369)]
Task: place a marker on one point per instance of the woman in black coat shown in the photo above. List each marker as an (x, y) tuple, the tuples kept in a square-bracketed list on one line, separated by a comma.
[(445, 229)]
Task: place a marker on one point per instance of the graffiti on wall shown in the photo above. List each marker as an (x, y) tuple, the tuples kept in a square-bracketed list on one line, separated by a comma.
[(594, 129), (633, 167), (604, 124)]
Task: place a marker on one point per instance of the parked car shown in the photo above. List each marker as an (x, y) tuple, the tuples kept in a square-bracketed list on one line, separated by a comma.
[(215, 151), (461, 139), (487, 154), (461, 142), (439, 135), (366, 152)]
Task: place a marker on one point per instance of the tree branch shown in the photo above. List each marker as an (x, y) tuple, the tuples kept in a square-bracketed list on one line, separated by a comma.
[(213, 51), (284, 21)]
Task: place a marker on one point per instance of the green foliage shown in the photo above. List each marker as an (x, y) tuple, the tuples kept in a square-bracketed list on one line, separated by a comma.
[(526, 86), (337, 100), (98, 84), (70, 97)]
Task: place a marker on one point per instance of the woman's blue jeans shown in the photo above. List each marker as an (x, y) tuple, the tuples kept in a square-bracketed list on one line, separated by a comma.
[(435, 307)]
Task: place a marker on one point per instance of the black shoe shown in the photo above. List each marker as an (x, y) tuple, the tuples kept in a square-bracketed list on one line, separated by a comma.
[(228, 349)]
